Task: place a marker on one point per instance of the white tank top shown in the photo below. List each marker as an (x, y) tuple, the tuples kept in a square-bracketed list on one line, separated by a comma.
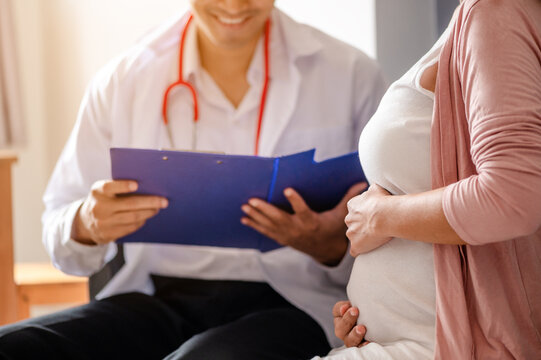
[(393, 286)]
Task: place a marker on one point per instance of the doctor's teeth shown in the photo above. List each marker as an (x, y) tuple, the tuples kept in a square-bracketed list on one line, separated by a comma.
[(231, 21)]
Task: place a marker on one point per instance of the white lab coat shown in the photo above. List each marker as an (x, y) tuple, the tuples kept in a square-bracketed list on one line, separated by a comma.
[(321, 95)]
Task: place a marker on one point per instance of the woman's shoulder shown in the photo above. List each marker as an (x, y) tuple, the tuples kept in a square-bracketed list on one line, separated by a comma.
[(493, 24), (498, 10)]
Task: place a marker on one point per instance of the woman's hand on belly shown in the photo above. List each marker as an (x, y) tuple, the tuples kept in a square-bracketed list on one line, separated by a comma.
[(362, 221), (345, 325)]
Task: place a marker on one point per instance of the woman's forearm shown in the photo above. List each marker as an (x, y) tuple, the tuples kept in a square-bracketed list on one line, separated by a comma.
[(417, 217)]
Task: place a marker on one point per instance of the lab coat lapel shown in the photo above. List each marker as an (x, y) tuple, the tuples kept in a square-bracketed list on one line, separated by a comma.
[(289, 42), (281, 102)]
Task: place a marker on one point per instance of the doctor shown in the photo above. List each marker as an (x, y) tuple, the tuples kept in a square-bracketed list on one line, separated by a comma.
[(235, 76)]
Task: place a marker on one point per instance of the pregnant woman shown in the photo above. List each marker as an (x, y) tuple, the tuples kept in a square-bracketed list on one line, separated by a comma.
[(453, 272)]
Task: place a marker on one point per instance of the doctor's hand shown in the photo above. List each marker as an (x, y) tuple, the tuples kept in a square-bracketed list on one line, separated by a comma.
[(320, 235), (105, 216), (363, 229), (345, 325)]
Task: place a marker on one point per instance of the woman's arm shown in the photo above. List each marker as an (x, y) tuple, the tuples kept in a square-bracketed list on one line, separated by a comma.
[(375, 217), (498, 68), (498, 65)]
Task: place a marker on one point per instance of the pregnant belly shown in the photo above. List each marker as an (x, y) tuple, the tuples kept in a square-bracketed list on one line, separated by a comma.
[(393, 287)]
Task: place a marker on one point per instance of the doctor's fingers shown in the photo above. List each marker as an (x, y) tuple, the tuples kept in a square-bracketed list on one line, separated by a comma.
[(130, 203), (268, 231), (112, 233), (113, 187), (265, 213), (300, 208), (132, 216)]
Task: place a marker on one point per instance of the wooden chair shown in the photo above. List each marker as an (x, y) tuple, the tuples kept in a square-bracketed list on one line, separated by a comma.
[(27, 284)]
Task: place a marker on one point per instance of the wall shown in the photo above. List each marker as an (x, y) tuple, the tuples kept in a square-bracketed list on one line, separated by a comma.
[(445, 10), (30, 173), (62, 43), (405, 30), (352, 21), (82, 36)]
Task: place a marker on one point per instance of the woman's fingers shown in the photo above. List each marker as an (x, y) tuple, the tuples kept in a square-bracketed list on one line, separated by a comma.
[(355, 336), (340, 308), (344, 325)]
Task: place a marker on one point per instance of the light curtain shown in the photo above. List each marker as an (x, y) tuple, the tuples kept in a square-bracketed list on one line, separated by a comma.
[(11, 121)]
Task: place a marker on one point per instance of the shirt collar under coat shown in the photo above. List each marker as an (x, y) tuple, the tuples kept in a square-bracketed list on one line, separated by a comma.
[(288, 43)]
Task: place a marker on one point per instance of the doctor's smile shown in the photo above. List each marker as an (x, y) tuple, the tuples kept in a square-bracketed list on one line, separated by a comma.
[(231, 21), (227, 21)]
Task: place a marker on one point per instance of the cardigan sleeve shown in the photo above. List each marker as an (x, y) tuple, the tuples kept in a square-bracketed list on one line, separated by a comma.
[(499, 70)]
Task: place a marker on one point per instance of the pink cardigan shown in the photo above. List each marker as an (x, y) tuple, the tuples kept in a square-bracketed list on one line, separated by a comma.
[(486, 150)]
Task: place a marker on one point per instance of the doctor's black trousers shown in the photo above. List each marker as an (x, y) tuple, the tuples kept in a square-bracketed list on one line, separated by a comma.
[(185, 319)]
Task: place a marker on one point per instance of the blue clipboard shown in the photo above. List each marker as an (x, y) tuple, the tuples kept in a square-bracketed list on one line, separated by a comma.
[(206, 191)]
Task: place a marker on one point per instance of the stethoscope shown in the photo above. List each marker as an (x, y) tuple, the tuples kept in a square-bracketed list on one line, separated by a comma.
[(181, 82)]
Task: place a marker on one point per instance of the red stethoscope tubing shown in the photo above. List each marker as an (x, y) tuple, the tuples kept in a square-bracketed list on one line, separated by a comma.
[(181, 82)]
